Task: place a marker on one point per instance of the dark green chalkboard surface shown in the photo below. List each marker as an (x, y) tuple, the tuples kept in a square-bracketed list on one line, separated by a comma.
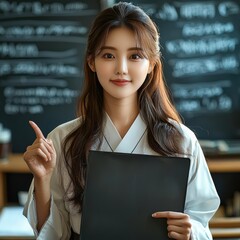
[(200, 43), (42, 44)]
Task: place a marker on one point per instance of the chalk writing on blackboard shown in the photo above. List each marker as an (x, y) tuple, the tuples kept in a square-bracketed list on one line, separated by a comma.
[(199, 98), (200, 44), (38, 8), (42, 44)]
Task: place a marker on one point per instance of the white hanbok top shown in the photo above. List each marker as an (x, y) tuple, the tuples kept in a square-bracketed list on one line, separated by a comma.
[(201, 199)]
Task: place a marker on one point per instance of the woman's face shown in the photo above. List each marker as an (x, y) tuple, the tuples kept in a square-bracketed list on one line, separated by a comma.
[(121, 66)]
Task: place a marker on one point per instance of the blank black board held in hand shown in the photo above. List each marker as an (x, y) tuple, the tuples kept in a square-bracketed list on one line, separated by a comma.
[(123, 190)]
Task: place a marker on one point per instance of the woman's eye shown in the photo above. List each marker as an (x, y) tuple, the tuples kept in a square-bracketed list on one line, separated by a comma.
[(108, 55), (136, 56)]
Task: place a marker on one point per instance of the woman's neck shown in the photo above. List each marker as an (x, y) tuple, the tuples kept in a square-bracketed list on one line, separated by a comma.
[(122, 113)]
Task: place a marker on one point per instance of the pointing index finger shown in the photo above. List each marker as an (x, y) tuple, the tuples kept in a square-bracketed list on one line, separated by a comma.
[(37, 130)]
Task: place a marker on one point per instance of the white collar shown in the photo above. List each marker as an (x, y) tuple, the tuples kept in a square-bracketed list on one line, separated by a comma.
[(131, 139)]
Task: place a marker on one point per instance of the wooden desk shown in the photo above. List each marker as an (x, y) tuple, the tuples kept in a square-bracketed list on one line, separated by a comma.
[(225, 227), (224, 165), (219, 227), (225, 233), (14, 164)]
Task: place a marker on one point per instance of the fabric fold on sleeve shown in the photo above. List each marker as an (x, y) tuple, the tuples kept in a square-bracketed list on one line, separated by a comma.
[(48, 230)]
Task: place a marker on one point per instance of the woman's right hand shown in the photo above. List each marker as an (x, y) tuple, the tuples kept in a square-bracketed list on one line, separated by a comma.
[(40, 156)]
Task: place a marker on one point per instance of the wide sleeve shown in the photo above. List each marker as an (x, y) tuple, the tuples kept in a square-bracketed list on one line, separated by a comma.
[(57, 226), (202, 200)]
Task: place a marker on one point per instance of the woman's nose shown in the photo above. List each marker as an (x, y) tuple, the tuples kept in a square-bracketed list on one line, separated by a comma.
[(121, 67)]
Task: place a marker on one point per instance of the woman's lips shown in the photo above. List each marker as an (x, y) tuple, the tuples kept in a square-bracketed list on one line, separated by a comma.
[(120, 82)]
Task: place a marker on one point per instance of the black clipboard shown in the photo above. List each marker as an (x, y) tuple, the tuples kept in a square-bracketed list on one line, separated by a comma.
[(123, 190)]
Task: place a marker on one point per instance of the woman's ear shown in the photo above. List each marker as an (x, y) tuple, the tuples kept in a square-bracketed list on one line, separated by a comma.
[(91, 64)]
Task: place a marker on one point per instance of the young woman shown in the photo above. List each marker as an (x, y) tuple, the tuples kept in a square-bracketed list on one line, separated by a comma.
[(124, 107)]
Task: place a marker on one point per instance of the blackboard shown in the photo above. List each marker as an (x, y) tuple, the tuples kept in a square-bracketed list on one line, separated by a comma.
[(42, 44), (200, 44)]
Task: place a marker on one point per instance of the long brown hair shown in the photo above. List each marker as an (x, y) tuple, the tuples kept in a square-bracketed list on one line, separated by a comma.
[(154, 101)]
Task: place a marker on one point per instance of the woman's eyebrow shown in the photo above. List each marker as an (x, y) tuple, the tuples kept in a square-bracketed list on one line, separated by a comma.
[(135, 49), (107, 47), (113, 48)]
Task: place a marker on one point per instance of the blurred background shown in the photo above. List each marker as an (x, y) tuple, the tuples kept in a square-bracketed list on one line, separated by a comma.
[(42, 45)]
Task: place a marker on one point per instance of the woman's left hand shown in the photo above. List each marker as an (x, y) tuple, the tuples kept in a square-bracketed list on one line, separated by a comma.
[(179, 226)]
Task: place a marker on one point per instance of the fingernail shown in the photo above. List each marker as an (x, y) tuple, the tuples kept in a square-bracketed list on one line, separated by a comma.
[(154, 215)]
